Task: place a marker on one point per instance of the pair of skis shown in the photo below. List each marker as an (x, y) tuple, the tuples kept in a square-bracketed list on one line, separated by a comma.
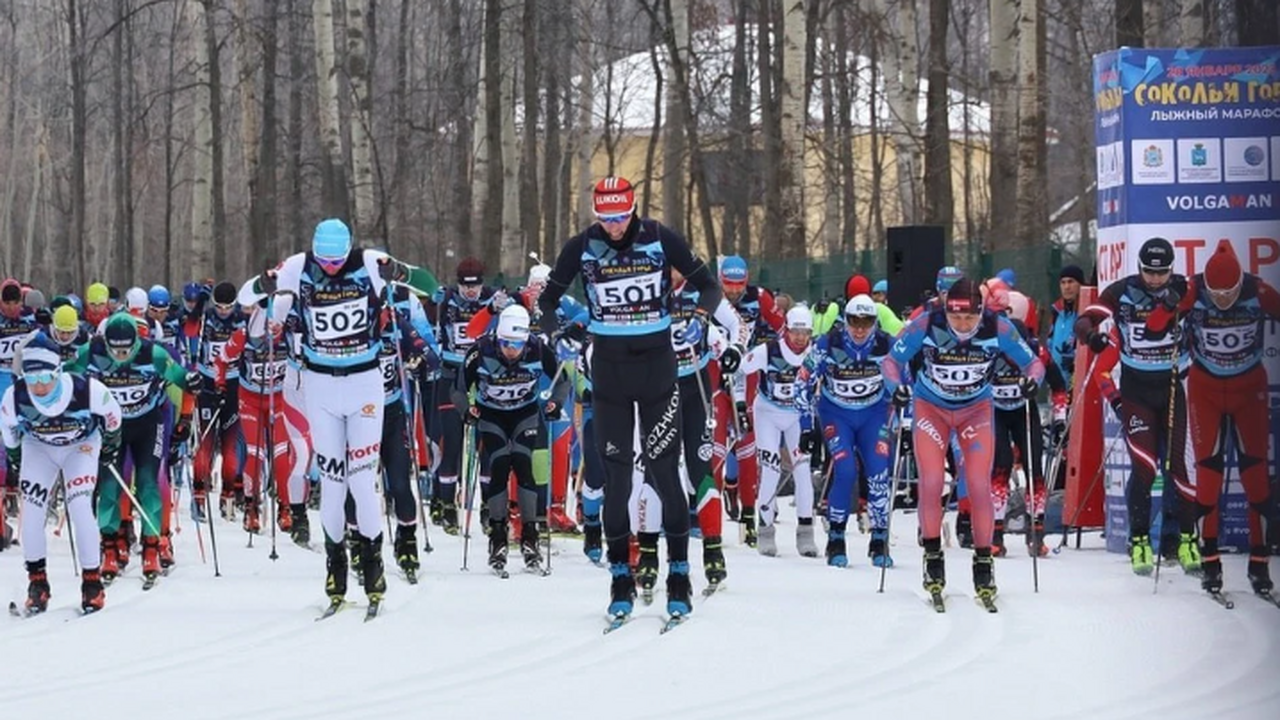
[(985, 599), (337, 604)]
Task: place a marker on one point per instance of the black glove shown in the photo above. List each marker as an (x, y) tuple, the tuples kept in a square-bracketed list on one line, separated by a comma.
[(267, 281), (551, 410), (902, 396), (194, 381), (1029, 388), (744, 417), (573, 332), (391, 270), (1097, 342), (1115, 405), (110, 453), (44, 317), (730, 360), (808, 442), (181, 431), (586, 396), (471, 415)]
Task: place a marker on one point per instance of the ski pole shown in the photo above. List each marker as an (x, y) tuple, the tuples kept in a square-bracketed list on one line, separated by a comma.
[(424, 519), (271, 489), (1029, 494), (184, 463), (155, 529), (1168, 439), (893, 491), (1097, 476), (71, 531), (1060, 447), (545, 396), (469, 464)]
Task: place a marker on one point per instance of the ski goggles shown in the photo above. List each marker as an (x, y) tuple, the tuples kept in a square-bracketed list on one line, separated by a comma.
[(40, 377), (224, 310), (1156, 271), (614, 218), (507, 344), (331, 265), (861, 322)]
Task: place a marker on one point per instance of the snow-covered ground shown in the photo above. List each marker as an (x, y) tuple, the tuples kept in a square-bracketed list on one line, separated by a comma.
[(787, 638)]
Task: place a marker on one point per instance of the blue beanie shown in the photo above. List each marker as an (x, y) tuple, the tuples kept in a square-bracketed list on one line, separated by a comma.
[(332, 240)]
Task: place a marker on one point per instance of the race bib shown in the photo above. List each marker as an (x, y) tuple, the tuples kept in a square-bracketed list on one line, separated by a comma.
[(9, 345), (1231, 339), (1006, 392), (784, 390), (856, 388), (1139, 339), (267, 373), (510, 393), (214, 350), (634, 290), (335, 322), (128, 395), (387, 365), (958, 376), (459, 333)]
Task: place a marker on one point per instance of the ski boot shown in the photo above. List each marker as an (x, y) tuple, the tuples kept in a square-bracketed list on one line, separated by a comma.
[(767, 540), (251, 521), (1259, 572), (449, 518), (984, 573), (37, 588), (110, 563), (1035, 539), (529, 549), (805, 544), (124, 541), (335, 582), (352, 541), (498, 547), (406, 548), (997, 540), (679, 589), (560, 522), (964, 530), (284, 518), (92, 596), (748, 519), (647, 568), (227, 505), (300, 530), (878, 548), (1189, 553), (731, 505), (150, 561), (1140, 556), (713, 561), (935, 566), (837, 555), (375, 574), (1211, 567), (592, 539), (437, 511), (622, 591), (166, 552)]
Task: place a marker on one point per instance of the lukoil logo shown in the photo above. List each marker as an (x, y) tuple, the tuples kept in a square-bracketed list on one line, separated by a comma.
[(1220, 201)]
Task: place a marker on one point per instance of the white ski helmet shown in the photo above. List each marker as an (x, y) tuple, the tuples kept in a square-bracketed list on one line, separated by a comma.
[(513, 324), (135, 298), (860, 306), (799, 318)]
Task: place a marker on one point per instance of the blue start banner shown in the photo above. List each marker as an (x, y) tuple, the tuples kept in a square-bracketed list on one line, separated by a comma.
[(1188, 149)]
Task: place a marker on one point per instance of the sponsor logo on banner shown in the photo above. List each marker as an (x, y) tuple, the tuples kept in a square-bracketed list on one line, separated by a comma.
[(1220, 201), (1152, 162), (1110, 166), (1199, 160), (1245, 160)]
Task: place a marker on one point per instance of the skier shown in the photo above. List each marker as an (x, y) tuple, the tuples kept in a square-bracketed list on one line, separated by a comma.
[(340, 293), (1224, 311), (67, 332), (783, 418), (624, 262), (958, 345), (17, 324), (97, 299), (505, 370), (844, 372), (453, 308), (135, 370), (217, 406), (1152, 355), (56, 422)]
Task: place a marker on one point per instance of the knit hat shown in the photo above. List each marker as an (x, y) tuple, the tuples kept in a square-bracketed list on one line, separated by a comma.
[(1222, 272), (857, 285), (65, 319), (1072, 271), (965, 296), (96, 294), (733, 270)]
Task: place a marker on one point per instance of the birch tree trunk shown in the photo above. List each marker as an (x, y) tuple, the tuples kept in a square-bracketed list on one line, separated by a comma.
[(794, 118), (491, 217), (770, 130), (902, 86), (363, 187), (528, 185), (673, 135), (1192, 21), (1154, 23), (1128, 23), (335, 203), (831, 176), (511, 253), (200, 242), (246, 56), (1004, 119), (11, 133), (584, 135), (1032, 198), (940, 202)]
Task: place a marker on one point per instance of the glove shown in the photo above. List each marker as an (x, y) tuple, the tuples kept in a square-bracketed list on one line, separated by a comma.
[(744, 417), (575, 332), (902, 396), (585, 397), (1170, 299), (1115, 405), (1029, 388), (267, 281), (808, 442), (820, 308), (499, 301), (567, 350), (692, 332), (472, 415), (44, 317), (391, 270), (730, 360), (110, 453), (1097, 342), (194, 381), (551, 410), (181, 431)]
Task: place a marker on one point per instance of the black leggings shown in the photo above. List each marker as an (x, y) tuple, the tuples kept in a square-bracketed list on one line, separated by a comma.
[(396, 463), (507, 441), (1144, 412), (630, 373)]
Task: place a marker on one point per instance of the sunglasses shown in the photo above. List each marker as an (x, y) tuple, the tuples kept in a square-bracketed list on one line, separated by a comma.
[(512, 344), (614, 219), (859, 321), (1156, 271), (331, 265), (224, 308), (43, 377)]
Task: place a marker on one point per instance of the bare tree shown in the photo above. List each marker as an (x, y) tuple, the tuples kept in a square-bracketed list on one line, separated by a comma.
[(334, 169), (939, 203), (1129, 26), (673, 132), (1004, 118), (1192, 22), (1030, 229), (200, 254), (794, 118), (360, 123)]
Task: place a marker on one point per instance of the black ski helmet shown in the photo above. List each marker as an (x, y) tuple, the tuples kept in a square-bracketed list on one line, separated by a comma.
[(1156, 255)]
